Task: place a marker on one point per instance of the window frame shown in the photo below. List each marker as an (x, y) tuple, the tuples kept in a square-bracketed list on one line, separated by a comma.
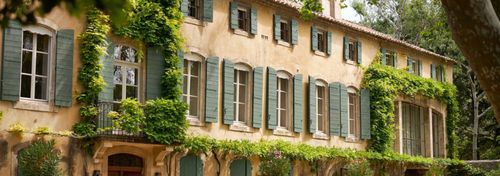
[(238, 68), (287, 37), (283, 75), (323, 43), (247, 20), (390, 58), (414, 144), (323, 123), (356, 103), (437, 134), (198, 8), (125, 64), (39, 30), (439, 73), (353, 50), (190, 58), (416, 67)]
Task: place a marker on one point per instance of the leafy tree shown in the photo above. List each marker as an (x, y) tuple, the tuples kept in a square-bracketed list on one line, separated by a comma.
[(424, 23), (39, 159)]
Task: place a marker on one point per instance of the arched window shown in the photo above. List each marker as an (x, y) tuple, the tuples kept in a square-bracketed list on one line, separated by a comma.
[(123, 164), (126, 74), (192, 75), (354, 113), (242, 93), (241, 167), (285, 97), (321, 106), (191, 165), (36, 64)]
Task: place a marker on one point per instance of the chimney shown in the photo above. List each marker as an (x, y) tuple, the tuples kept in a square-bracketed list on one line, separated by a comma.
[(331, 8)]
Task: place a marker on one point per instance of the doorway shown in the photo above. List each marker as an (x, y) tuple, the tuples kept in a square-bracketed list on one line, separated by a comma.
[(125, 165)]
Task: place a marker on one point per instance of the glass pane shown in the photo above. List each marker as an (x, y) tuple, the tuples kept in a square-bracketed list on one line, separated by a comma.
[(129, 54), (185, 68), (193, 106), (243, 77), (185, 84), (132, 76), (242, 94), (241, 112), (42, 62), (195, 69), (117, 52), (283, 100), (320, 123), (41, 88), (194, 86), (42, 43), (117, 93), (184, 98), (26, 86), (117, 78), (26, 65), (131, 92), (27, 40), (235, 94), (351, 127), (283, 118), (320, 106)]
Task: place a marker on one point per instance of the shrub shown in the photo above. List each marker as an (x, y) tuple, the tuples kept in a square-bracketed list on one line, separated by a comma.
[(39, 159), (275, 164), (129, 117), (165, 121), (359, 169)]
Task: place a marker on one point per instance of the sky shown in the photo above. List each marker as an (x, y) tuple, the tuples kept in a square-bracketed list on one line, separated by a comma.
[(349, 13)]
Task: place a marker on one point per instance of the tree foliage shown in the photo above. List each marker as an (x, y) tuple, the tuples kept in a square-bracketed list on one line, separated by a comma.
[(39, 159)]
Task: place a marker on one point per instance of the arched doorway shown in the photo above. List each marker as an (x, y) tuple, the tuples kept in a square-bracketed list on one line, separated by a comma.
[(125, 165)]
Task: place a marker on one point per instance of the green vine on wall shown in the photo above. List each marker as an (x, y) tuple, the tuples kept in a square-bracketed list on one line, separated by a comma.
[(385, 84)]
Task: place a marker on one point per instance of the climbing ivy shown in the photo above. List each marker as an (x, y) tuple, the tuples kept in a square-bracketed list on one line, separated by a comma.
[(385, 84)]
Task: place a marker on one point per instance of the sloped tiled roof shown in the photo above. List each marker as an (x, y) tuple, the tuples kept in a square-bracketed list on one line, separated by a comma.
[(363, 29)]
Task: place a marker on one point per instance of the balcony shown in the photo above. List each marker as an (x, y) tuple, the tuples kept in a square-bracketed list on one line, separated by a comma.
[(105, 126)]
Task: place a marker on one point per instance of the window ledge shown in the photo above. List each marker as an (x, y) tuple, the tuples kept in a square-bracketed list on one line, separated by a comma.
[(194, 122), (320, 53), (283, 43), (320, 135), (34, 106), (240, 126), (241, 32), (280, 131), (352, 139), (351, 62), (194, 21)]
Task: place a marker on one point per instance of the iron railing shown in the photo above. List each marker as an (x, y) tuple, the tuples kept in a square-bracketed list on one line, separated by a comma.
[(105, 124)]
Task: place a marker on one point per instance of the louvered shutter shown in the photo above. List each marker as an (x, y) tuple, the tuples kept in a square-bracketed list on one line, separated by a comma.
[(433, 71), (208, 8), (410, 65), (295, 32), (234, 15), (272, 102), (277, 27), (360, 52), (228, 98), (185, 7), (106, 95), (346, 48), (383, 57), (365, 114), (297, 103), (344, 108), (212, 90), (155, 67), (334, 108), (312, 105), (419, 67), (314, 38), (329, 43), (64, 67), (258, 83), (253, 21), (11, 61)]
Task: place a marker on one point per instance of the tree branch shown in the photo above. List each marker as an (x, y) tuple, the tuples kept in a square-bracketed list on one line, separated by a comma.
[(481, 96), (484, 112)]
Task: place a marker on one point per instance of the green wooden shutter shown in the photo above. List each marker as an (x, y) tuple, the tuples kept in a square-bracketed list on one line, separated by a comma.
[(383, 57), (11, 61), (314, 38), (212, 90), (272, 102), (208, 8), (334, 108), (344, 108), (155, 68), (185, 7), (419, 67), (180, 65), (277, 27), (234, 15), (64, 68), (329, 43), (240, 167), (248, 168), (312, 105), (360, 52), (253, 21), (443, 74), (346, 48), (199, 166), (295, 32), (228, 80), (258, 83), (433, 71), (297, 103), (365, 114), (395, 61), (410, 65), (106, 95), (188, 162)]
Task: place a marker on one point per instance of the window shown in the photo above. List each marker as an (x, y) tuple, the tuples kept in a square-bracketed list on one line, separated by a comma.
[(437, 134), (321, 109), (192, 85), (241, 93), (353, 50), (439, 73), (195, 9), (36, 63), (354, 113), (390, 58), (285, 94), (126, 73), (414, 66), (244, 18), (285, 29), (412, 129), (322, 40)]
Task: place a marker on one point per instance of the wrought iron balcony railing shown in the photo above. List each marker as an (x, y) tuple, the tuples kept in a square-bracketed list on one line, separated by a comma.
[(105, 124)]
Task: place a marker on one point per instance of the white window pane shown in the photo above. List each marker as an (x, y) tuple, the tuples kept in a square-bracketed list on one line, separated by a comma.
[(242, 94), (42, 64), (195, 69), (27, 40), (320, 106), (283, 118), (193, 106), (241, 112), (117, 52), (27, 62), (117, 78), (40, 88), (132, 76), (42, 43), (194, 86), (283, 100), (129, 54), (26, 86)]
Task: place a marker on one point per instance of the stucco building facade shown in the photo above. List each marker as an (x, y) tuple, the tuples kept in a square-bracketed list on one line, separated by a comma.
[(253, 70)]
